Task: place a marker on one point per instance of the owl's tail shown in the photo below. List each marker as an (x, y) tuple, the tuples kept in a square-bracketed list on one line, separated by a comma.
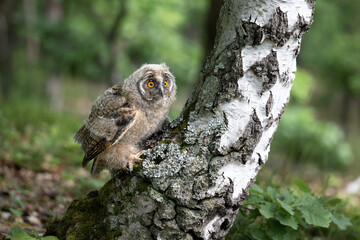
[(97, 167), (91, 144), (80, 135)]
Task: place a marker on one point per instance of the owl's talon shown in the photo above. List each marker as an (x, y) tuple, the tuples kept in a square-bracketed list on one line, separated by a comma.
[(139, 154), (133, 159)]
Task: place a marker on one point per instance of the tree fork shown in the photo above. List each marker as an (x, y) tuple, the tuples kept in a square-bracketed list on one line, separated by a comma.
[(193, 181)]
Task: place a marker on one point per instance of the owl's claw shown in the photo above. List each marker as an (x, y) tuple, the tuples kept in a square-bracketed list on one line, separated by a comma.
[(133, 159), (140, 153)]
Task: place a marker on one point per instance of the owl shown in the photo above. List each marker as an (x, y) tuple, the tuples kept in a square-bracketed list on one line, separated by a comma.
[(124, 115)]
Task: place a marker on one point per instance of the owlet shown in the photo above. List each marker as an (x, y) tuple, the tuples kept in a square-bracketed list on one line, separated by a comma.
[(124, 115)]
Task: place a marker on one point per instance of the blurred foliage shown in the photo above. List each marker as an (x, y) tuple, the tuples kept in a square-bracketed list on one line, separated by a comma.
[(332, 48), (18, 234), (331, 51), (31, 134), (303, 138), (301, 90), (271, 213), (78, 42), (85, 184)]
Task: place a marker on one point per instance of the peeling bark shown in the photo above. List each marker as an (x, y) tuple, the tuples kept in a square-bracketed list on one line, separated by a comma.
[(192, 182)]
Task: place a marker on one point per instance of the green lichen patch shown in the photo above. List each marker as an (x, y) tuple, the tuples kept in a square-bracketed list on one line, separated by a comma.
[(83, 220), (179, 125), (92, 217), (164, 160)]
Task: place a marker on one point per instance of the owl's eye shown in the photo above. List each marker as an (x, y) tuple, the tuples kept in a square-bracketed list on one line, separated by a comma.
[(165, 83), (151, 84)]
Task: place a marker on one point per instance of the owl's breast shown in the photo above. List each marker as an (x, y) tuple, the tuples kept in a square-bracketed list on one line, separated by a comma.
[(144, 126)]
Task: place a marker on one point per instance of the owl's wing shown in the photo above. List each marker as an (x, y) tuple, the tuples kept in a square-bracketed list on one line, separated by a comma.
[(108, 121)]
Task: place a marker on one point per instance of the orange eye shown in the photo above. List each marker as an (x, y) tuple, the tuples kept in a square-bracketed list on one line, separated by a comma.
[(165, 83), (151, 84)]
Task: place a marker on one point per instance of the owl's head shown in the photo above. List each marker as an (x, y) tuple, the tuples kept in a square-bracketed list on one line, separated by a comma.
[(154, 83)]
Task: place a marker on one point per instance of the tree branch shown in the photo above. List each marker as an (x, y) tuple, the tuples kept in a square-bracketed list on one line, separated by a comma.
[(114, 29)]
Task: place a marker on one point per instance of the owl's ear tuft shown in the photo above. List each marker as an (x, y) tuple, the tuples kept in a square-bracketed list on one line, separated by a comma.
[(164, 66)]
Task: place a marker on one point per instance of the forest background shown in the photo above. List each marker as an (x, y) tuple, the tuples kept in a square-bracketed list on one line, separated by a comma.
[(57, 56)]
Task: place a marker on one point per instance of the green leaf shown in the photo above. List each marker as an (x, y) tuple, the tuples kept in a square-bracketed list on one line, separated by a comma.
[(302, 186), (272, 193), (287, 196), (280, 232), (290, 235), (268, 210), (17, 200), (49, 238), (313, 211), (16, 212), (256, 189), (16, 230), (287, 220), (19, 234), (22, 236), (257, 234), (340, 220), (334, 202), (253, 200), (254, 213), (286, 207)]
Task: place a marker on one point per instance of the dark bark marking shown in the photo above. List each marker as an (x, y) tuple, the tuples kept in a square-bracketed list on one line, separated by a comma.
[(260, 160), (297, 50), (277, 28), (269, 104), (230, 74), (226, 209), (285, 79), (267, 69), (226, 68), (254, 33), (312, 2), (269, 121), (250, 138), (276, 121), (302, 25)]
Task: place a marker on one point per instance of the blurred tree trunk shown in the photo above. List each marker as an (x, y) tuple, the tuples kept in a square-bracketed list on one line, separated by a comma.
[(212, 17), (191, 184), (7, 38), (111, 38), (32, 39), (54, 12), (113, 43)]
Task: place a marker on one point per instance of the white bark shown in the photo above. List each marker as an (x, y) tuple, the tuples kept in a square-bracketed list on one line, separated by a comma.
[(193, 181), (250, 85)]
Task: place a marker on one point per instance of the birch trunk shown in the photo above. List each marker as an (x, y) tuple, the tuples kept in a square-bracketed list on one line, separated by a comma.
[(192, 182)]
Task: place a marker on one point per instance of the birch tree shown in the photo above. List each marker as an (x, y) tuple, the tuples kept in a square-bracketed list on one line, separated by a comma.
[(198, 169)]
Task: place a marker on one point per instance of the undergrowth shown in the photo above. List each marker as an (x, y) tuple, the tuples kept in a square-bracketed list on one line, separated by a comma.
[(32, 134), (280, 213)]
